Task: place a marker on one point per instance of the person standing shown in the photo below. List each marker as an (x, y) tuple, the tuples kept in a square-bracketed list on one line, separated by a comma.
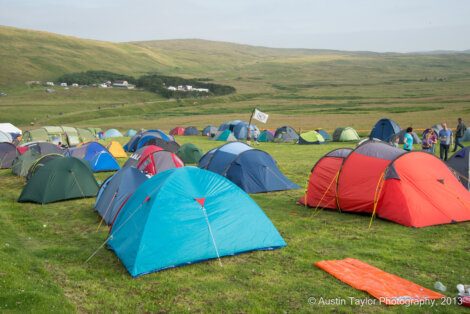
[(459, 133), (429, 140), (408, 140), (445, 139)]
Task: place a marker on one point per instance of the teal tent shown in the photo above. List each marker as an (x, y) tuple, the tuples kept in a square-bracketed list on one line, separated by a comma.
[(187, 215)]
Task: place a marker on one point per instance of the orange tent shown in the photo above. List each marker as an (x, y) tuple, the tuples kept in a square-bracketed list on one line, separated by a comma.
[(116, 150)]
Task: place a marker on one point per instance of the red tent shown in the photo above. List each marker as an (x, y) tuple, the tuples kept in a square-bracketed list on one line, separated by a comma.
[(155, 160), (413, 189), (177, 131)]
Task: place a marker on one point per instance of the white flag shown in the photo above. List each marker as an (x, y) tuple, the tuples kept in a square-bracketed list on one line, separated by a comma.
[(260, 116)]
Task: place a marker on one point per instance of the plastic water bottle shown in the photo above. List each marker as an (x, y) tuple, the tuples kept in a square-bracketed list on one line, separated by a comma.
[(439, 286)]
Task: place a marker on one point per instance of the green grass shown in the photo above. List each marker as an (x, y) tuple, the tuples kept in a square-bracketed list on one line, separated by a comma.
[(44, 248)]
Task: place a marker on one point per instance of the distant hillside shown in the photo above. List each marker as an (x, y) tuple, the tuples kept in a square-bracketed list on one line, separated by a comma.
[(32, 55)]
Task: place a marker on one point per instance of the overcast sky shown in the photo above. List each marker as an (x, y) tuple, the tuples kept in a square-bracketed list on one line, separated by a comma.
[(376, 25)]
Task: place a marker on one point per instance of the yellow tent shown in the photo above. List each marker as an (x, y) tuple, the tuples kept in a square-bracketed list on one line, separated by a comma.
[(116, 150)]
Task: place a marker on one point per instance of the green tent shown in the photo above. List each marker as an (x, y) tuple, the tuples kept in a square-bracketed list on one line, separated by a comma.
[(346, 134), (22, 163), (189, 153), (60, 179), (226, 136), (311, 137)]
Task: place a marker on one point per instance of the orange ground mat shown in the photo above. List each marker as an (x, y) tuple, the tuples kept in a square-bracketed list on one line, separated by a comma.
[(387, 288)]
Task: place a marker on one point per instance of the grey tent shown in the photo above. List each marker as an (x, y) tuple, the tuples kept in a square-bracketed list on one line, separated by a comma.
[(286, 134), (209, 131), (116, 190), (8, 153), (43, 148), (401, 137), (460, 163)]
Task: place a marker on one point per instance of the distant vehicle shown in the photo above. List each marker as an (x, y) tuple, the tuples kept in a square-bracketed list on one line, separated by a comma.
[(2, 94)]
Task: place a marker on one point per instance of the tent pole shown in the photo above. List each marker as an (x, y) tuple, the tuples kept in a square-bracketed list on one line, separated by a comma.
[(212, 235)]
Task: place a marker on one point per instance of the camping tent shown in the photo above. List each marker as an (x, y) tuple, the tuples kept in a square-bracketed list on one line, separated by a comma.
[(35, 150), (22, 163), (326, 136), (94, 131), (265, 136), (145, 136), (116, 150), (60, 179), (460, 163), (312, 137), (41, 162), (10, 129), (55, 134), (191, 130), (115, 191), (286, 134), (5, 137), (384, 130), (130, 133), (253, 170), (346, 134), (153, 160), (98, 157), (437, 128), (43, 148), (225, 136), (112, 133), (177, 131), (188, 215), (239, 129), (413, 189), (401, 137), (209, 131), (189, 153), (8, 153)]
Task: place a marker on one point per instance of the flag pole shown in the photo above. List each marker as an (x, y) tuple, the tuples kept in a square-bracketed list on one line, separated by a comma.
[(248, 136)]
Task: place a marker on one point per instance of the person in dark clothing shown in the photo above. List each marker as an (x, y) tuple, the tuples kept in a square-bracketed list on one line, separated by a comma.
[(459, 134)]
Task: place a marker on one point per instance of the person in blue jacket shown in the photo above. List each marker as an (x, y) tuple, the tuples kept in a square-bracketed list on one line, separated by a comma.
[(445, 140), (408, 140)]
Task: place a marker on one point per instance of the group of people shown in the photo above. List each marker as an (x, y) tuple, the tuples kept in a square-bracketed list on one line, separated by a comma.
[(444, 137)]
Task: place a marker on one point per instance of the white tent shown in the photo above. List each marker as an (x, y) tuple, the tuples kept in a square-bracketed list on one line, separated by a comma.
[(10, 128), (5, 137)]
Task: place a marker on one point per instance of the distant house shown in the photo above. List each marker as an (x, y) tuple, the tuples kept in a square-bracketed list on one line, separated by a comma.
[(123, 84), (50, 83), (63, 84), (172, 88), (103, 85), (201, 90), (74, 85)]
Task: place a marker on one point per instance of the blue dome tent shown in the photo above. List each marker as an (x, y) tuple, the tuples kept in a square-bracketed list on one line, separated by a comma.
[(112, 133), (384, 130), (97, 156), (187, 215), (135, 142), (209, 131), (191, 130), (239, 129), (253, 170), (326, 136), (116, 190), (131, 132)]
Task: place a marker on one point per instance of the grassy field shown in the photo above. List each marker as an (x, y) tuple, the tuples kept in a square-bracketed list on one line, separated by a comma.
[(44, 248)]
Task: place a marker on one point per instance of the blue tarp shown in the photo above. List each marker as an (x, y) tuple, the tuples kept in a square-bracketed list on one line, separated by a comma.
[(253, 170), (187, 215)]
